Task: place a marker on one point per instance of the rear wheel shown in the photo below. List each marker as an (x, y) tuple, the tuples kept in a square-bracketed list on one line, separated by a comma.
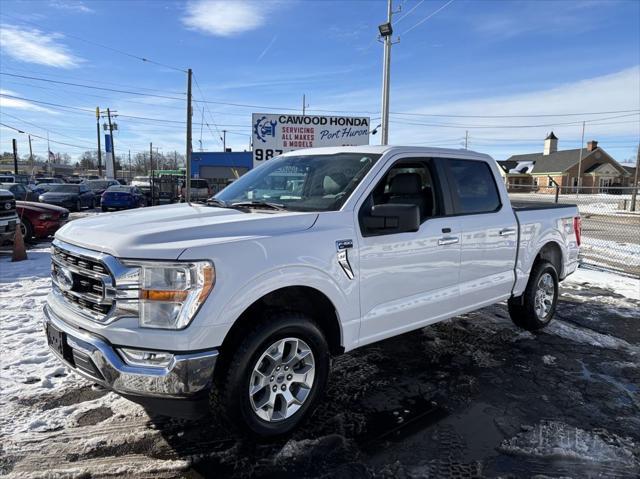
[(78, 206), (537, 305), (92, 205), (276, 376), (27, 230), (104, 208)]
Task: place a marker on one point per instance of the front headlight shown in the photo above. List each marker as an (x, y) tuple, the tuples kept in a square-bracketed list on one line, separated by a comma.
[(170, 294)]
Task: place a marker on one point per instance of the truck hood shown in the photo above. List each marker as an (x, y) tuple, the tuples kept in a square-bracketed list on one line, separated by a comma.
[(164, 232)]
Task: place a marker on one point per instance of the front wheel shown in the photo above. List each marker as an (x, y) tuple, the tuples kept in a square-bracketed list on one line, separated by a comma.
[(276, 376), (537, 305)]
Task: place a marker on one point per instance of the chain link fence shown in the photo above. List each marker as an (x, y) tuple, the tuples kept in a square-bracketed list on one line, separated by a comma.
[(610, 221)]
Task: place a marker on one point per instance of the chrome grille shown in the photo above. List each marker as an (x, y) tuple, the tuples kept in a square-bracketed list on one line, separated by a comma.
[(82, 281)]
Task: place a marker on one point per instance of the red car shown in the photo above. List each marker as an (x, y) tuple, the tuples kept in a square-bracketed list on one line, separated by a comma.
[(40, 220)]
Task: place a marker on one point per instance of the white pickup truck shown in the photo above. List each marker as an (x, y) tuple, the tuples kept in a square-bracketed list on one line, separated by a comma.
[(240, 304)]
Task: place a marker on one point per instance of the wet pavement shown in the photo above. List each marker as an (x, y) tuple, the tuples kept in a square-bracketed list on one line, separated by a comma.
[(470, 397)]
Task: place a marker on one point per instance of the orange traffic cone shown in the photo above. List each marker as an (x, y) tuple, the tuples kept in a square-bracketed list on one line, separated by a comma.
[(19, 251)]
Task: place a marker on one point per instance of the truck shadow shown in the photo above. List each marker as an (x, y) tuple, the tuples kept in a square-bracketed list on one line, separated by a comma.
[(442, 401)]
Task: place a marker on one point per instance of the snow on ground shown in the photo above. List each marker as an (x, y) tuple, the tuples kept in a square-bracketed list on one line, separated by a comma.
[(624, 285), (40, 400), (556, 440), (28, 371)]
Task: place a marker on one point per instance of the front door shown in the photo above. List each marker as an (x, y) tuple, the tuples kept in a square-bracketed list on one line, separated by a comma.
[(410, 279)]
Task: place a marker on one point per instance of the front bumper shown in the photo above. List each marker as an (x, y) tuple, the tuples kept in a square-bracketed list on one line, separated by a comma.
[(91, 356)]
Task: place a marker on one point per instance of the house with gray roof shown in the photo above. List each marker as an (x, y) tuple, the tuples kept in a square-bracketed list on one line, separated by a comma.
[(592, 168)]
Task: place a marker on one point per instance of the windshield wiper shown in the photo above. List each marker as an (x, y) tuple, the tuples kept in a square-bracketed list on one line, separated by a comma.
[(217, 202), (258, 204)]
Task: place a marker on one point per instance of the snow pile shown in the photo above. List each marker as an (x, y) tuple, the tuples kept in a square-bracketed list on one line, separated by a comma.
[(30, 375), (557, 440), (624, 285)]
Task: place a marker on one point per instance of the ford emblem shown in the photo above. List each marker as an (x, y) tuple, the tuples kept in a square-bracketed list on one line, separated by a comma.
[(65, 279)]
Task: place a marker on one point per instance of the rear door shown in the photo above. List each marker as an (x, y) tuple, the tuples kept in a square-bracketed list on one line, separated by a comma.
[(489, 238), (408, 279)]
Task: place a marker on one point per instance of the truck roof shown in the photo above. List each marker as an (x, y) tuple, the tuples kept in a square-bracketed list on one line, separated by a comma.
[(382, 149)]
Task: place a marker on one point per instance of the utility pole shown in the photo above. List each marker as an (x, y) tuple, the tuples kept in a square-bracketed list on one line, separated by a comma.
[(48, 153), (152, 175), (188, 158), (30, 154), (224, 140), (386, 30), (466, 139), (304, 104), (201, 125), (15, 156), (130, 175), (634, 191), (580, 162), (113, 149), (99, 146)]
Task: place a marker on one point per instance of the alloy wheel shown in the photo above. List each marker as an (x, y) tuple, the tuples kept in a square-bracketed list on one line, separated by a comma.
[(282, 379), (544, 297)]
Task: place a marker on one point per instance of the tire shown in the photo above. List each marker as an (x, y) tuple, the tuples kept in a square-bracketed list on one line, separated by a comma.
[(27, 230), (78, 206), (104, 208), (231, 397), (92, 205), (537, 305)]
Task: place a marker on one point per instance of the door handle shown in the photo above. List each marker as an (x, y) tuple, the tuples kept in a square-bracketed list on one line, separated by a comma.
[(507, 232), (448, 240)]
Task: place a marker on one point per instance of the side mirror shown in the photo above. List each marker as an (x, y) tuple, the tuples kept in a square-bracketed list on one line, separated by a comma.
[(392, 218)]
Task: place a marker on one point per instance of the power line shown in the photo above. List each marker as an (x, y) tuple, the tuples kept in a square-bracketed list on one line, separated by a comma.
[(429, 16), (409, 12), (86, 80), (244, 105), (45, 138), (37, 126), (91, 42), (129, 92)]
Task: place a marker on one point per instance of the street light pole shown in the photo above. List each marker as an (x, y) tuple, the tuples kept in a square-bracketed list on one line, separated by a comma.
[(187, 175), (386, 73)]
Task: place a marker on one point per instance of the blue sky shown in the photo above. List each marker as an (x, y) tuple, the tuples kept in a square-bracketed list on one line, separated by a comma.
[(474, 59)]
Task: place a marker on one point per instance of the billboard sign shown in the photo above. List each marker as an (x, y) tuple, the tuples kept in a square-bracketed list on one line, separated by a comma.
[(275, 133)]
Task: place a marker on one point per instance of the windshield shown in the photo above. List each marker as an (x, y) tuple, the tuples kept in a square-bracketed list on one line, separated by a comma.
[(302, 183), (64, 188)]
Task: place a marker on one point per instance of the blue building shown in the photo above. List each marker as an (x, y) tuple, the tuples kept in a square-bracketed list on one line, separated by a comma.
[(219, 167)]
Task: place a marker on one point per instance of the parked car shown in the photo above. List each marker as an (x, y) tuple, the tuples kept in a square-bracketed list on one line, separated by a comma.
[(8, 216), (142, 182), (200, 190), (20, 191), (45, 180), (99, 186), (240, 305), (122, 198), (22, 179), (75, 179), (72, 197), (40, 220)]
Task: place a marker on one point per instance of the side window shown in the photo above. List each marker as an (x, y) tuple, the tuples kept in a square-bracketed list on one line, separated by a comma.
[(475, 187), (407, 182)]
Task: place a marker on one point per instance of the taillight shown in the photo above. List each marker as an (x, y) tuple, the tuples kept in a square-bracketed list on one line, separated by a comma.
[(577, 228)]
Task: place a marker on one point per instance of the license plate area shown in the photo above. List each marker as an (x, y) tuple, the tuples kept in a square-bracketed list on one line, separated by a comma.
[(58, 342)]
